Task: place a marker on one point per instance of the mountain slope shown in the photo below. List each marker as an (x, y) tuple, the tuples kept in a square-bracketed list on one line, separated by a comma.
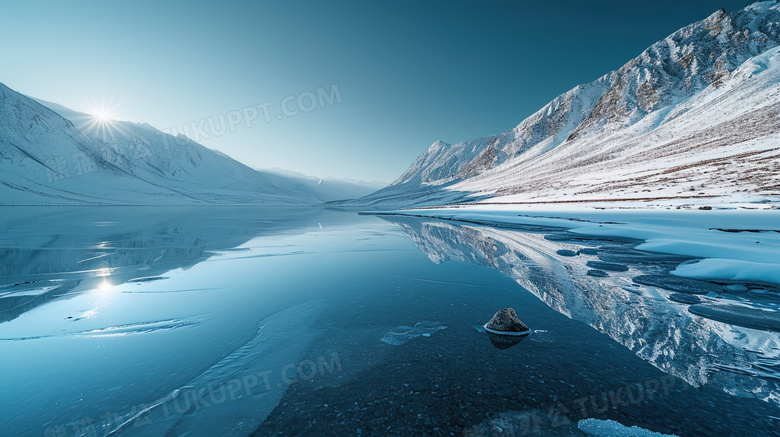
[(47, 159), (694, 113), (327, 189)]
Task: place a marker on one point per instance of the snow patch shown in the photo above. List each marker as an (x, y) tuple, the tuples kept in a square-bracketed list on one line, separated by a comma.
[(610, 428)]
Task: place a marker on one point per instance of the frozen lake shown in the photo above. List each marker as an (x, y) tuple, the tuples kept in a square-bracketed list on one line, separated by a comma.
[(229, 321)]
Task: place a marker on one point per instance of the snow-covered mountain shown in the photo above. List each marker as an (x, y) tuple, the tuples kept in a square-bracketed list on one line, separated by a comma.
[(694, 115), (328, 189), (53, 155)]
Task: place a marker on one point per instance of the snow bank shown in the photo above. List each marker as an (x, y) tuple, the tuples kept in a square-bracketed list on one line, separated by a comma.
[(731, 270), (610, 428)]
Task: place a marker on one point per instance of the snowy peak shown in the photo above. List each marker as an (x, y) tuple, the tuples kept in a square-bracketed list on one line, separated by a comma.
[(672, 69), (437, 148), (441, 161), (577, 130), (47, 160)]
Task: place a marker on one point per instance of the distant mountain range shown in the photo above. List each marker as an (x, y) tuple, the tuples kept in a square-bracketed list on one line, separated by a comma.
[(696, 115), (52, 155), (328, 189)]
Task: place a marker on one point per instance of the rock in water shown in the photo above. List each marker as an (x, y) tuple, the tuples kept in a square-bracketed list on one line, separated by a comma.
[(505, 330), (505, 322)]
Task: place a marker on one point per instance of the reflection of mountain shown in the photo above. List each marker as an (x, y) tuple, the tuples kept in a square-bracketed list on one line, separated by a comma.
[(48, 253), (659, 331)]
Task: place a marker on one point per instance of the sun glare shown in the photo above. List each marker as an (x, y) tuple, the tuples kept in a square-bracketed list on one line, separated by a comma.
[(102, 116), (105, 285)]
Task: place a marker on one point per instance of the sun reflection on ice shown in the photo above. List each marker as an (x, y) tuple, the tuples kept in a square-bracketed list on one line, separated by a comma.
[(105, 285)]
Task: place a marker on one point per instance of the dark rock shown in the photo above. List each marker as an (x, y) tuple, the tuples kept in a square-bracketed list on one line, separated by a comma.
[(689, 299), (676, 283), (597, 273), (506, 322), (564, 252), (705, 208), (612, 267)]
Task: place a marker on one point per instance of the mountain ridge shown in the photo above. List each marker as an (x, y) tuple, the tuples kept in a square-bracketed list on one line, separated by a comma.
[(52, 155), (700, 57)]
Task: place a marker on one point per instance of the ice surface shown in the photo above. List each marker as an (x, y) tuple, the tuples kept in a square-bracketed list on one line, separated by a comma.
[(732, 270), (155, 378), (685, 298), (682, 285), (645, 318), (402, 334), (694, 234), (612, 267), (739, 316), (610, 428), (119, 330), (233, 387), (100, 343)]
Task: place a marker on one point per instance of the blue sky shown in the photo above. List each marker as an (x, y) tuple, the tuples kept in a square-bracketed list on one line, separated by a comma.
[(408, 73)]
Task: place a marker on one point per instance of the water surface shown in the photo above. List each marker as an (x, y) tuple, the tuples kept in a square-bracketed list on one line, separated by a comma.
[(269, 321)]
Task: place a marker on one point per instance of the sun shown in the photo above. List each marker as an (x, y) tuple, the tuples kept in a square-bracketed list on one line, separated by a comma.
[(101, 119), (102, 116)]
